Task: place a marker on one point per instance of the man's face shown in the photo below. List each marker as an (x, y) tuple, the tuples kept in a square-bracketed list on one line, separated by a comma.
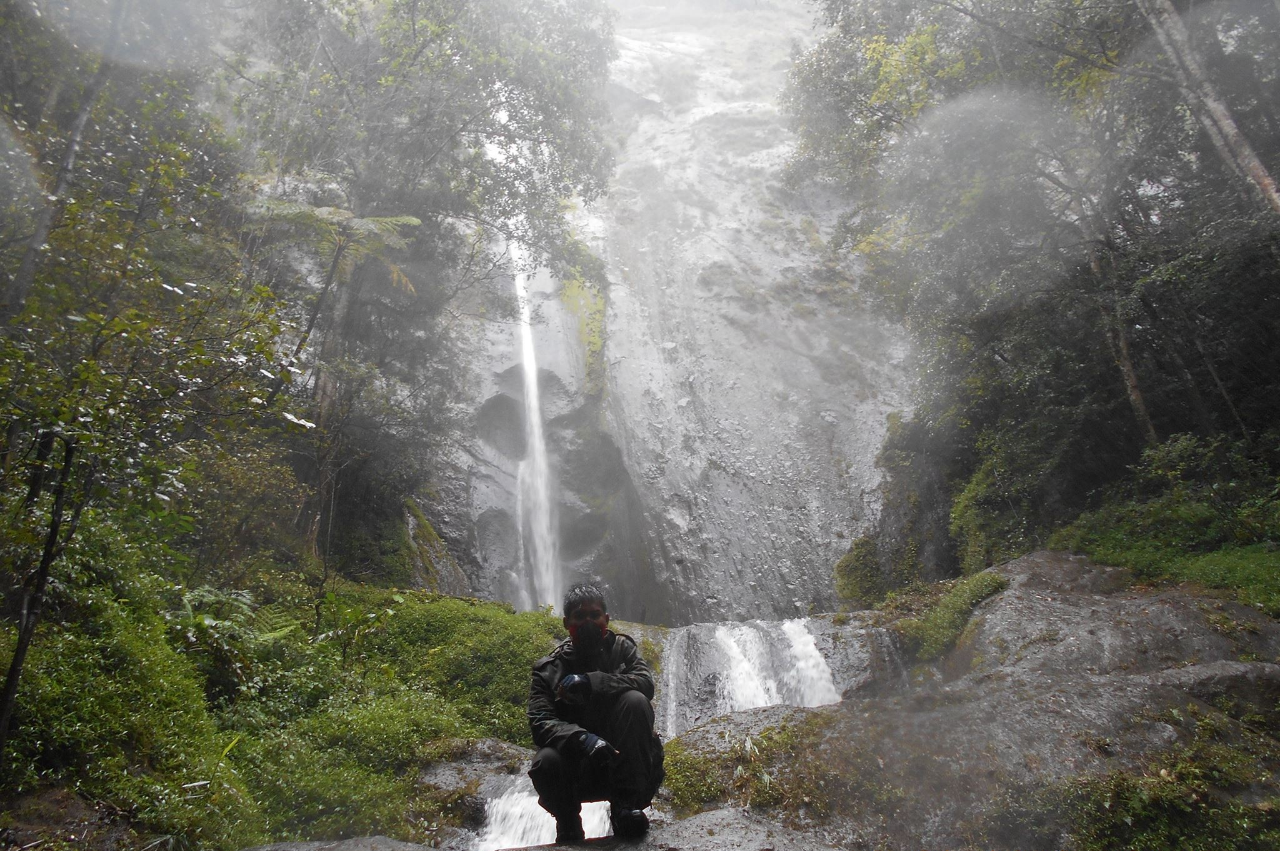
[(593, 618)]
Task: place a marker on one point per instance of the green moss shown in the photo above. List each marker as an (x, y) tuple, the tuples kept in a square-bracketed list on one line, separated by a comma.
[(857, 574), (586, 301), (651, 651), (432, 551), (693, 778), (935, 632)]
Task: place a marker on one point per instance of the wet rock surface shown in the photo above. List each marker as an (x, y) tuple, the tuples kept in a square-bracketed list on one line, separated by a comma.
[(747, 398), (1067, 673)]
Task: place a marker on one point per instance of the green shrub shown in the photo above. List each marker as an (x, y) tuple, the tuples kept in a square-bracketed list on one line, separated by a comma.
[(308, 792), (935, 632), (477, 656), (1199, 510), (384, 732), (858, 576), (107, 706)]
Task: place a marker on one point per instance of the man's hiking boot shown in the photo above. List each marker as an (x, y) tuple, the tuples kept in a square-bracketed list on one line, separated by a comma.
[(569, 828), (628, 824)]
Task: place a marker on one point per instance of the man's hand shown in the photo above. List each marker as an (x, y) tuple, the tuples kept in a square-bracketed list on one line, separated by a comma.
[(597, 751), (574, 689)]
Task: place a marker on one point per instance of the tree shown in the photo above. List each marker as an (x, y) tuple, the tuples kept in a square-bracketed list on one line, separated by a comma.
[(140, 333), (1032, 192)]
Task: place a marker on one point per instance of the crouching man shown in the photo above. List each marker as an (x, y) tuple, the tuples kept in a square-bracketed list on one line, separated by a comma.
[(592, 722)]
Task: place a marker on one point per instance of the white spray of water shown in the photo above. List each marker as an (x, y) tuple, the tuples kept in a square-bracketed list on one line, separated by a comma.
[(810, 677), (745, 683), (759, 663), (514, 819), (537, 536)]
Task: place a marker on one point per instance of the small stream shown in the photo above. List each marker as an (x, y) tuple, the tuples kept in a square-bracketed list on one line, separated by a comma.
[(514, 820)]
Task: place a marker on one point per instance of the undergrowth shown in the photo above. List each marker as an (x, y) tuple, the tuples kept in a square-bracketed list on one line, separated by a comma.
[(1203, 511), (210, 721)]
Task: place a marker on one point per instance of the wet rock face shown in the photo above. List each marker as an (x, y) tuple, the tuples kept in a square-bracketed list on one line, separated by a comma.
[(1068, 672), (714, 457), (747, 397)]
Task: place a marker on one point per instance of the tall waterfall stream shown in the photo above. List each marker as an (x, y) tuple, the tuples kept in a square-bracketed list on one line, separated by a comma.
[(537, 540)]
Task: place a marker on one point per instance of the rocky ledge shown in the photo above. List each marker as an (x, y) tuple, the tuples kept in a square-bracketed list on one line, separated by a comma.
[(1077, 710)]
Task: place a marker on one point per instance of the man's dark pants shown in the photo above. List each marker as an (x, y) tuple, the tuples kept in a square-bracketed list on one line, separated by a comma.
[(564, 780)]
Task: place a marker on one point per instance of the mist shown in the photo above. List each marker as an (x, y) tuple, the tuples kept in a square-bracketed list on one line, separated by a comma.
[(903, 375)]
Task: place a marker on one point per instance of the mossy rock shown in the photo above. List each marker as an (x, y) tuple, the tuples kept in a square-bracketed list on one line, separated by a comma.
[(857, 575)]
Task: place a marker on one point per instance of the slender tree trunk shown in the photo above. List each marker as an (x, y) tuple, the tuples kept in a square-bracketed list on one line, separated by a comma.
[(1197, 398), (33, 599), (1222, 388), (330, 277), (1207, 103), (20, 285), (1119, 341)]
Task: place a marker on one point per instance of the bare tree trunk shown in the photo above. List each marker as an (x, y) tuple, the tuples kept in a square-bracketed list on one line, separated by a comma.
[(330, 277), (1206, 102), (1119, 341), (33, 598), (1222, 388)]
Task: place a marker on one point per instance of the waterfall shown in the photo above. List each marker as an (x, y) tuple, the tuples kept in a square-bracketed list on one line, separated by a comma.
[(810, 678), (710, 670), (514, 820), (746, 682), (670, 698), (538, 545)]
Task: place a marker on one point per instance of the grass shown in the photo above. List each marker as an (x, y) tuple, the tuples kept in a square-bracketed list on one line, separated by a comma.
[(1179, 543)]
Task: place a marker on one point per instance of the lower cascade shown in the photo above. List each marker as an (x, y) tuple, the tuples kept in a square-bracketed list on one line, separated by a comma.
[(708, 670), (712, 669)]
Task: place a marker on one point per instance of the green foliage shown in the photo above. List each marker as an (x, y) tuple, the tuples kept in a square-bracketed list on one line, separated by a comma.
[(110, 708), (692, 779), (935, 632), (1205, 511), (220, 391), (999, 166), (476, 655)]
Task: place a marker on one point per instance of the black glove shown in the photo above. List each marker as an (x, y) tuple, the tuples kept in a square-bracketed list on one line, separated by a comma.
[(574, 689), (597, 751)]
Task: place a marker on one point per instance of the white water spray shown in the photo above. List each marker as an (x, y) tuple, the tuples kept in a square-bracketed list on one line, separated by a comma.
[(514, 819), (746, 683), (730, 667), (810, 677), (539, 547)]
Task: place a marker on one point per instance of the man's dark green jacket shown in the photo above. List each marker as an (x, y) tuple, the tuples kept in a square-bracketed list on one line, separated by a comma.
[(615, 668)]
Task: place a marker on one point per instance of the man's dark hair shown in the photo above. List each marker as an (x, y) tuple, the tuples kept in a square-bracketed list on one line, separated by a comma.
[(580, 595)]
